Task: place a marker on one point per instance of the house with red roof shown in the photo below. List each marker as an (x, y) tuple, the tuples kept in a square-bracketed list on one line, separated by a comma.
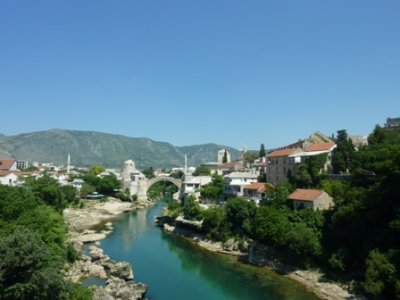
[(309, 198), (256, 191), (8, 164), (280, 164), (235, 182), (282, 161)]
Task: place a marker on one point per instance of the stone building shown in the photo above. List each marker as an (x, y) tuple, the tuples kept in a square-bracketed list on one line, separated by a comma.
[(308, 198), (221, 154), (282, 162)]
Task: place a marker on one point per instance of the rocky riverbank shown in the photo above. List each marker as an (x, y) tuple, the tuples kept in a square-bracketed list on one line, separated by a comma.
[(118, 275), (258, 255)]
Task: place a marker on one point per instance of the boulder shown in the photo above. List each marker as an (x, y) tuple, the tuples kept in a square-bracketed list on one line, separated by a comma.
[(96, 253), (229, 244), (95, 270), (125, 290), (91, 237), (122, 270)]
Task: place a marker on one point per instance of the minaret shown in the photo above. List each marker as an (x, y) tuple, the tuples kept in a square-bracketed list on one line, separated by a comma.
[(186, 168), (68, 163)]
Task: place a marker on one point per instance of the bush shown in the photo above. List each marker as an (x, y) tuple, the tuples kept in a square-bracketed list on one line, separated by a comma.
[(192, 210), (215, 224)]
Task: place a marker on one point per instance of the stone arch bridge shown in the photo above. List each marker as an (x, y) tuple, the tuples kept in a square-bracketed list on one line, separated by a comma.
[(144, 185)]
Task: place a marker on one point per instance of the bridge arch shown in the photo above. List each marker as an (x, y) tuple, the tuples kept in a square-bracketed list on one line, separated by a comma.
[(177, 182)]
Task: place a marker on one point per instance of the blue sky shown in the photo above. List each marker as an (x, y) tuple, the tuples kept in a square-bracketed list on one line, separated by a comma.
[(196, 71)]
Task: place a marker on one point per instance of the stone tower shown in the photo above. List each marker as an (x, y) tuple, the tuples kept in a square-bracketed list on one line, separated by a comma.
[(128, 169), (221, 154)]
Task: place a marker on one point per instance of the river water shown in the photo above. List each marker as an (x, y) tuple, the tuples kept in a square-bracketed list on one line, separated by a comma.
[(176, 269)]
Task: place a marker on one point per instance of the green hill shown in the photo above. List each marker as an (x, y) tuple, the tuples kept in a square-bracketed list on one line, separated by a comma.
[(87, 148)]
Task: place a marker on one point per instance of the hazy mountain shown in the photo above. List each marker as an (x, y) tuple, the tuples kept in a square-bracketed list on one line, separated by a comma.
[(198, 154), (87, 148)]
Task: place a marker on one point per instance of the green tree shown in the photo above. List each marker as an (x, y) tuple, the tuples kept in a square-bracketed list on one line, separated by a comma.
[(178, 174), (214, 189), (174, 208), (379, 275), (342, 154), (216, 225), (86, 190), (149, 173), (25, 269), (202, 171), (302, 177), (192, 210), (96, 170), (278, 195), (262, 152), (91, 179), (271, 225), (304, 242), (225, 157), (108, 184), (249, 157), (240, 214)]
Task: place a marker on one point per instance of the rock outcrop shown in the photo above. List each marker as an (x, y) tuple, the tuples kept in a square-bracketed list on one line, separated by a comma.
[(118, 275)]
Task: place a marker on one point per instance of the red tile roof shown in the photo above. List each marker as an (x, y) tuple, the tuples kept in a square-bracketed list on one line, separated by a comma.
[(305, 195), (5, 173), (6, 163), (228, 165), (258, 186), (321, 147), (282, 152)]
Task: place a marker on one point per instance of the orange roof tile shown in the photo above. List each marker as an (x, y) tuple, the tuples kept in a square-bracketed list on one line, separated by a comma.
[(258, 186), (5, 173), (6, 163), (305, 195), (282, 152), (320, 147), (228, 165), (255, 186)]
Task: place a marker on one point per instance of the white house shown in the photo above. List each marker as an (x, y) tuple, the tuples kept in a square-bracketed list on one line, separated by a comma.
[(192, 184), (8, 178), (256, 191), (234, 183), (77, 183)]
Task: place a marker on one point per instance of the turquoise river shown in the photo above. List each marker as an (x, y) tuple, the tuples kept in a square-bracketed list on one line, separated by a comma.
[(174, 268)]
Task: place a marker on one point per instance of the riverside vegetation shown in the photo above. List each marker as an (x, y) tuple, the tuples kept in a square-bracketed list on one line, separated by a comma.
[(357, 241), (34, 247)]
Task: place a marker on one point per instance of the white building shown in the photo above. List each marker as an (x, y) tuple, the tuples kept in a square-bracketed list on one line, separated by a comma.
[(77, 183), (234, 183), (8, 178), (192, 185)]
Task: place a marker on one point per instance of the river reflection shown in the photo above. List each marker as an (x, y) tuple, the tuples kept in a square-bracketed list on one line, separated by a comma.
[(176, 269)]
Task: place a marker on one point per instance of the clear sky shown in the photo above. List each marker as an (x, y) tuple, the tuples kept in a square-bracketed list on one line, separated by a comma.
[(195, 71)]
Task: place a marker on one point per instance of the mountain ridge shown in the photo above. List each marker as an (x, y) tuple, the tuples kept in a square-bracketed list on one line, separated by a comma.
[(111, 150)]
